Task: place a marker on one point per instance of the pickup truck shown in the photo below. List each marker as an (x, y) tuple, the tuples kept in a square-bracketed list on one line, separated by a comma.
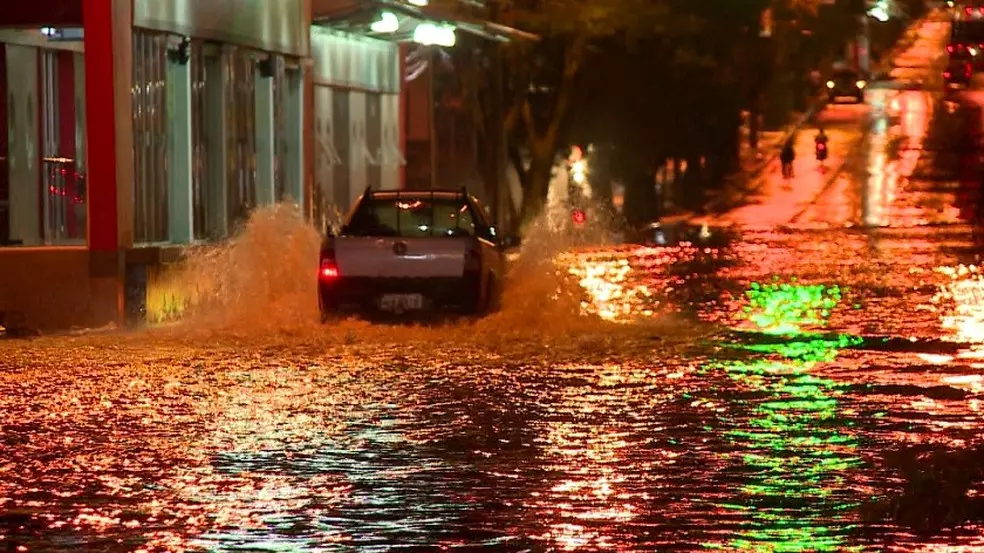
[(413, 250)]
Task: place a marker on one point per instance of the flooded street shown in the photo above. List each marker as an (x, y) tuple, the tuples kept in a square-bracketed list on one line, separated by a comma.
[(756, 397), (757, 415)]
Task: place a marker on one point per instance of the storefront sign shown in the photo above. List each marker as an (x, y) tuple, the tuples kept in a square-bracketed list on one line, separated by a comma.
[(280, 26), (354, 62)]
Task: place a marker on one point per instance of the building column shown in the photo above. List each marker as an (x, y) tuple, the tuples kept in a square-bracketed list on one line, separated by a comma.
[(264, 138), (216, 135), (295, 136), (109, 129), (181, 228)]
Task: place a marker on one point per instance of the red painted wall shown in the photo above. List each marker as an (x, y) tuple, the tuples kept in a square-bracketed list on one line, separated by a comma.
[(100, 130), (4, 166)]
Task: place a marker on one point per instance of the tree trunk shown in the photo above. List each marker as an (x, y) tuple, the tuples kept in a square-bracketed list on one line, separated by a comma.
[(753, 123), (537, 183), (543, 146)]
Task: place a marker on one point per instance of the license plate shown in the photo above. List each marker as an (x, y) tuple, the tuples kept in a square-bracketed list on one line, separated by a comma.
[(401, 302)]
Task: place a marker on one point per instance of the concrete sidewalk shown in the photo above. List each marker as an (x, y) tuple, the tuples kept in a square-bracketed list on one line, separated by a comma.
[(760, 167), (780, 200)]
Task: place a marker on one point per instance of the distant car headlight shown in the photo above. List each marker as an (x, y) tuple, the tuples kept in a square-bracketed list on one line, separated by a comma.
[(830, 84), (972, 50), (861, 84)]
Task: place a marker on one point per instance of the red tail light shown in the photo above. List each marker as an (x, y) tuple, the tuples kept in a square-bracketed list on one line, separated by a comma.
[(329, 267), (579, 217), (949, 48), (946, 74), (328, 271)]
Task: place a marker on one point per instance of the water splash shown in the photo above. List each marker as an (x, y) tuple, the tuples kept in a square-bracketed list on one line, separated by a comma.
[(262, 282)]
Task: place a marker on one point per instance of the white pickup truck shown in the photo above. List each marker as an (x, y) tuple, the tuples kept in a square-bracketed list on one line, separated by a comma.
[(403, 251)]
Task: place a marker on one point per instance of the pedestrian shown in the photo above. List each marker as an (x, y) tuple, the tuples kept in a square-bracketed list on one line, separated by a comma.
[(820, 140), (787, 156)]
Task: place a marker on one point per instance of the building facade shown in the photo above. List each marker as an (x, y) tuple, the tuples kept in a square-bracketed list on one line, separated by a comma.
[(130, 129), (358, 128)]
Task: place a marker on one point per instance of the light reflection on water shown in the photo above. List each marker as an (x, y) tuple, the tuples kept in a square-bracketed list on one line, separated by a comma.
[(446, 436)]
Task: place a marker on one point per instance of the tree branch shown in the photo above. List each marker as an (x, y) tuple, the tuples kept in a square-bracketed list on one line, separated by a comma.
[(573, 56)]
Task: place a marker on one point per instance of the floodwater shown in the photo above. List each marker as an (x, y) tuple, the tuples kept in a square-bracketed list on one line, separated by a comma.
[(771, 395)]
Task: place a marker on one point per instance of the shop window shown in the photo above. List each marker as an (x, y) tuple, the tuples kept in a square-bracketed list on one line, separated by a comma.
[(42, 176), (150, 138)]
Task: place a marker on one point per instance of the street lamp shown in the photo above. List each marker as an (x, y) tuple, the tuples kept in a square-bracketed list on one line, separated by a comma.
[(430, 34), (880, 10), (387, 23)]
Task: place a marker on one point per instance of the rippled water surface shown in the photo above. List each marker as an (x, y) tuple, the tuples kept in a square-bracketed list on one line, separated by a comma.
[(695, 426)]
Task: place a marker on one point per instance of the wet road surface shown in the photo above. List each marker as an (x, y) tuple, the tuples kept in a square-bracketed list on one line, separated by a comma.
[(752, 397)]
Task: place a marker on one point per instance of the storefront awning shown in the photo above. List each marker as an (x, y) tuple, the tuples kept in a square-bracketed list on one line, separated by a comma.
[(358, 16)]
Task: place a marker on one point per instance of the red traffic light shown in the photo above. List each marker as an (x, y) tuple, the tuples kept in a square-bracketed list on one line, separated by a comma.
[(579, 216)]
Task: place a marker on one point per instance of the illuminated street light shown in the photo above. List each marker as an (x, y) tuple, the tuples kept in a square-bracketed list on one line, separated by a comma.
[(879, 14), (880, 10), (429, 34), (387, 23), (579, 172)]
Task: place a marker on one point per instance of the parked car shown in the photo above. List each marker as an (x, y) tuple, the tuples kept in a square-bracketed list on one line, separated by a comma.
[(967, 42), (404, 251), (958, 74), (678, 233), (846, 83)]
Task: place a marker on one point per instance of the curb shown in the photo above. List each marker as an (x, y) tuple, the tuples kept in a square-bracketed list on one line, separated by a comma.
[(770, 158)]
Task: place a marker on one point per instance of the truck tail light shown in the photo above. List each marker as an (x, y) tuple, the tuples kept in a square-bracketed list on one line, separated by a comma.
[(328, 270)]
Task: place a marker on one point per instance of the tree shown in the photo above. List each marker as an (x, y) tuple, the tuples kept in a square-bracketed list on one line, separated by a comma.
[(673, 97), (540, 77)]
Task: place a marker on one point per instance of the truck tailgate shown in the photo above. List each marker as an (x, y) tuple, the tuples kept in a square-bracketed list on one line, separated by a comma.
[(400, 257)]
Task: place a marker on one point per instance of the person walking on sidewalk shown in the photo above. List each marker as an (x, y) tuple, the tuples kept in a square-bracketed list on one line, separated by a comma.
[(787, 156)]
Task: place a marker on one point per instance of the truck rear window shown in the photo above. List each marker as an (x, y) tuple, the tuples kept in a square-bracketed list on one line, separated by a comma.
[(412, 218)]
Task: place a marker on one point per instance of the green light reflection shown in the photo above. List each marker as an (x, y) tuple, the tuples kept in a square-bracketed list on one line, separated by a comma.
[(780, 308), (793, 447)]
